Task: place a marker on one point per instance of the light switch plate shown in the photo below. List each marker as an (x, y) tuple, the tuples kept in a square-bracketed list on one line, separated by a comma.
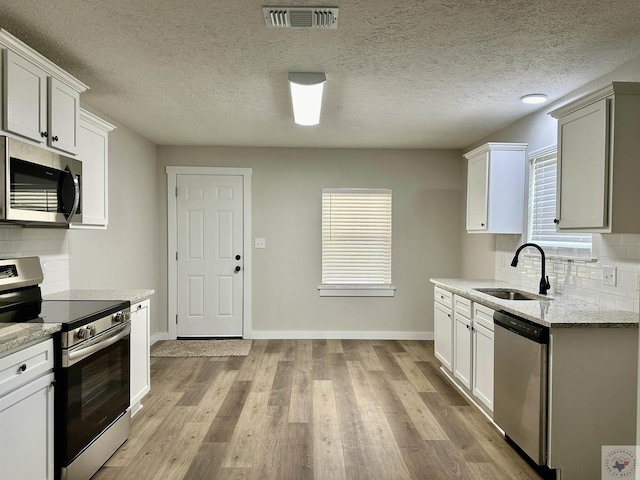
[(610, 276), (260, 243)]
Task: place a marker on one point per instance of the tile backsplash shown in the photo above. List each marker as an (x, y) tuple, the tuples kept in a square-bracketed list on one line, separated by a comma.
[(579, 277), (50, 244)]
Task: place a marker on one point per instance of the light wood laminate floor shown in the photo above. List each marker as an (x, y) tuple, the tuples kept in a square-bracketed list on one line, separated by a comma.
[(311, 409)]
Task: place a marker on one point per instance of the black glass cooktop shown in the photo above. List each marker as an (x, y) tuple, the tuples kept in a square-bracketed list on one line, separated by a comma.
[(75, 313), (27, 306)]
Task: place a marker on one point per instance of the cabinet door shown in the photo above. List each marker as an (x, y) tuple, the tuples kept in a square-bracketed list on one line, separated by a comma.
[(483, 365), (583, 166), (25, 99), (93, 152), (64, 113), (443, 335), (477, 178), (462, 350), (26, 423), (140, 371)]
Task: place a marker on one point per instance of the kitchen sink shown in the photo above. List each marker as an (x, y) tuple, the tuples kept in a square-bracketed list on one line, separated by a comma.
[(507, 294)]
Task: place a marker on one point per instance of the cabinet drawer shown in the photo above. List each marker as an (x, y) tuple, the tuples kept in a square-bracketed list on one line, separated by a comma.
[(483, 316), (24, 365), (462, 306), (443, 297)]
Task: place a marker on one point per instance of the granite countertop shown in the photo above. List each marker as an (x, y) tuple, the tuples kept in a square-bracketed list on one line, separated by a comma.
[(555, 311), (14, 335), (134, 296)]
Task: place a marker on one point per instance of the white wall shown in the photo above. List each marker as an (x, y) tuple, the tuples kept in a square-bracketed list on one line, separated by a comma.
[(286, 211)]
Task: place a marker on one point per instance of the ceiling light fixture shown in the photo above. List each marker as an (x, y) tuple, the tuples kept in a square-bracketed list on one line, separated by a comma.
[(306, 96), (534, 98)]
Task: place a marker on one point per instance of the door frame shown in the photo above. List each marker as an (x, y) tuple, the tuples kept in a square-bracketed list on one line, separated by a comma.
[(172, 241)]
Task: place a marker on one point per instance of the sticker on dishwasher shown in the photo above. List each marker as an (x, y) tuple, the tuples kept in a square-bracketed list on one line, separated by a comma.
[(619, 461)]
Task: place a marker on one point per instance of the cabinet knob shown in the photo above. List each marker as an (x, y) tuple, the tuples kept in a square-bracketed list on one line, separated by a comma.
[(44, 134), (52, 384), (22, 368), (139, 307), (449, 315), (556, 221), (54, 139), (482, 224)]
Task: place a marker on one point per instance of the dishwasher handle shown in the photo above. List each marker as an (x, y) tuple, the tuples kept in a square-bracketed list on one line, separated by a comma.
[(520, 326)]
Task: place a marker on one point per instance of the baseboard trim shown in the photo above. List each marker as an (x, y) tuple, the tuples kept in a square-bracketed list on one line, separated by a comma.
[(158, 336), (338, 335)]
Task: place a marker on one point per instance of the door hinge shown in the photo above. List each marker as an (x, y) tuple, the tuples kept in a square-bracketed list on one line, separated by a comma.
[(176, 191), (176, 318), (176, 256)]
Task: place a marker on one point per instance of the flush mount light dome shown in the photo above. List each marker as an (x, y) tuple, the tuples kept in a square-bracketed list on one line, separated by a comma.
[(306, 96), (534, 98)]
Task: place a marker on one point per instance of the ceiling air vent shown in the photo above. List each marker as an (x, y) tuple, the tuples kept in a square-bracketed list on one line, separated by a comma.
[(301, 17)]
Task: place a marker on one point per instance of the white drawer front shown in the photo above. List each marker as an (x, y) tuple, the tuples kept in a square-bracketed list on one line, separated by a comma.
[(462, 306), (443, 297), (483, 316), (24, 365)]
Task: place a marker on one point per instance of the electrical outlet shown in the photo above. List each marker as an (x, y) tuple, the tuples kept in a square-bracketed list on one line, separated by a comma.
[(260, 243), (610, 276)]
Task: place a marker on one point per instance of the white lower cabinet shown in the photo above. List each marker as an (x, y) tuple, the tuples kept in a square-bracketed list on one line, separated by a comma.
[(26, 413), (443, 328), (483, 355), (468, 330), (140, 382), (462, 340)]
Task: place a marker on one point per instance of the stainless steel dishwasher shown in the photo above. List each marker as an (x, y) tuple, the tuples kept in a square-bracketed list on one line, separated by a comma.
[(520, 383)]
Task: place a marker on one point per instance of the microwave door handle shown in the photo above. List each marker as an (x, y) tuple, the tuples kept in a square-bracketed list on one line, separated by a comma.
[(76, 194)]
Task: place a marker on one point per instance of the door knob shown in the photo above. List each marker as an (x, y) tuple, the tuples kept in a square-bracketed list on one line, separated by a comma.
[(238, 268), (238, 257)]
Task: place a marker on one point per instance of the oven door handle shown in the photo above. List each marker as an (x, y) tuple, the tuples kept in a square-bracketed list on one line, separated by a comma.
[(78, 355)]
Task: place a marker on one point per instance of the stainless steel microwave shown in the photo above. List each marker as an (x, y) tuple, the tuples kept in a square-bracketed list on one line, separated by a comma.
[(39, 186)]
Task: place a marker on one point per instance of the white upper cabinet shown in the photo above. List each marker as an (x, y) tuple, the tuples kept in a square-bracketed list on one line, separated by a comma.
[(41, 102), (93, 151), (25, 90), (495, 188), (598, 168)]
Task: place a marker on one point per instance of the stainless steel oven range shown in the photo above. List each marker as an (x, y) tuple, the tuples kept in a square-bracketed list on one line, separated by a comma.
[(92, 359)]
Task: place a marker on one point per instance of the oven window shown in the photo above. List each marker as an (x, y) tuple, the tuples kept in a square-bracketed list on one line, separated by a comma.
[(97, 394)]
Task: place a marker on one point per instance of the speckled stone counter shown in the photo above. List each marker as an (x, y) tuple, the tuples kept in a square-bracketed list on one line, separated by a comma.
[(15, 335), (134, 296), (555, 311)]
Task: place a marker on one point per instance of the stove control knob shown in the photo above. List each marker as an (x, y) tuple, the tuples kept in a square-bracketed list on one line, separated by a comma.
[(118, 317), (92, 330), (82, 333)]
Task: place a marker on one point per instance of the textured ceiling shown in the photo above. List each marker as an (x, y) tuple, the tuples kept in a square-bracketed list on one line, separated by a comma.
[(409, 74)]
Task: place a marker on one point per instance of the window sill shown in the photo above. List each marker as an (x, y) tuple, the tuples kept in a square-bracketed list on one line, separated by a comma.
[(357, 291)]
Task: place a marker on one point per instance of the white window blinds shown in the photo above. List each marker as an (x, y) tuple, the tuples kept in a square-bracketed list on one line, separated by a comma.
[(542, 211), (356, 236)]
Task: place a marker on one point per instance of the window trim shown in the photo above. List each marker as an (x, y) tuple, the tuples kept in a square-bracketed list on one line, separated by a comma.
[(355, 289)]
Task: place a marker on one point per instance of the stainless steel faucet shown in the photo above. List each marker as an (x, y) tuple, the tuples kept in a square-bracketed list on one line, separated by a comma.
[(544, 280)]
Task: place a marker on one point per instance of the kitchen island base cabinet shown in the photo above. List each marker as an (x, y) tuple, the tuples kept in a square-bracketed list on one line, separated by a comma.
[(26, 413), (140, 347)]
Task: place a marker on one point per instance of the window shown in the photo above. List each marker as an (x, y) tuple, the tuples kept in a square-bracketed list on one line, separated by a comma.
[(356, 242), (542, 210)]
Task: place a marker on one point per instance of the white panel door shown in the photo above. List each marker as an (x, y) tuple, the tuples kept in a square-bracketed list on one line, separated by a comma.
[(210, 255)]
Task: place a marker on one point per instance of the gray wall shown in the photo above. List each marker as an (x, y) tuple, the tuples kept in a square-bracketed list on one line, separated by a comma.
[(286, 211), (125, 254)]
